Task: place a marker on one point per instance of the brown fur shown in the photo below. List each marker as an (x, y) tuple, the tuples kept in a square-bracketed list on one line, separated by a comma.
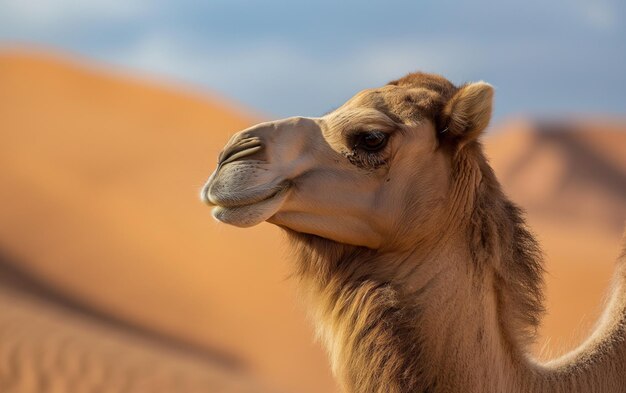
[(400, 326), (420, 273)]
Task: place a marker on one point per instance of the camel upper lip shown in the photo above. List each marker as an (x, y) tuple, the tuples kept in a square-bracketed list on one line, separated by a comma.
[(237, 202)]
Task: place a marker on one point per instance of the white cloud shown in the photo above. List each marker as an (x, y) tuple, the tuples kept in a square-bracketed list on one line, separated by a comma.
[(281, 78), (600, 14), (41, 15)]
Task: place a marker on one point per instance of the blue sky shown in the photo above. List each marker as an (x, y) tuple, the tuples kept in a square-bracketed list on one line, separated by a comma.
[(282, 58)]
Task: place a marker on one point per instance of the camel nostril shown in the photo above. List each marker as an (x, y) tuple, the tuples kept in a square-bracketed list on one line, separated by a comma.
[(239, 149)]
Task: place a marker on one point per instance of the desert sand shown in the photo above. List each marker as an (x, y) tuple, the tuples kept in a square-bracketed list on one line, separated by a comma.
[(100, 175)]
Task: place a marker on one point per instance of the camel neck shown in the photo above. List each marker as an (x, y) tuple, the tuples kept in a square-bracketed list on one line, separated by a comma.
[(435, 331), (464, 328), (456, 316), (429, 319)]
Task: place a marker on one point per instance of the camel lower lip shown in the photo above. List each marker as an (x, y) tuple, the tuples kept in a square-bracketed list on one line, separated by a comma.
[(246, 215)]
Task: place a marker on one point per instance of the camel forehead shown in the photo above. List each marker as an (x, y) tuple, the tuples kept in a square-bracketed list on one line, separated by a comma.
[(376, 98), (370, 97), (400, 103)]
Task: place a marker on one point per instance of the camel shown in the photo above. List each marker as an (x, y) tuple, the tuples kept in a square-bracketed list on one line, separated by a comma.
[(420, 274)]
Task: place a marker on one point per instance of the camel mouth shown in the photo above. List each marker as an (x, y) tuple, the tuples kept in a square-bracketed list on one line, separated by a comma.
[(250, 212)]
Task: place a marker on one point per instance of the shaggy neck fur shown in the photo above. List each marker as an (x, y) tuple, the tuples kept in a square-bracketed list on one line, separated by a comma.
[(455, 313)]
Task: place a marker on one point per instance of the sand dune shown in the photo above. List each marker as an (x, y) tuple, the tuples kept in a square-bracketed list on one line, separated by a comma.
[(100, 176), (48, 346)]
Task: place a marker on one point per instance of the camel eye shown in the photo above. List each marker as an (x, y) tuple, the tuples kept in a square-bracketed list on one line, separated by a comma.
[(371, 141)]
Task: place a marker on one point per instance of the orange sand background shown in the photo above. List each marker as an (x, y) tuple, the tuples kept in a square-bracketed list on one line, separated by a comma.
[(100, 174)]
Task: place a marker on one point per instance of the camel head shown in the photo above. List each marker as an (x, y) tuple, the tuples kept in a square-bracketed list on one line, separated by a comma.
[(364, 174)]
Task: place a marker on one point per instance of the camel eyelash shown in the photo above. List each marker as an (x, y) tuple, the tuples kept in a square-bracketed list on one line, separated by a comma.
[(366, 148), (366, 160)]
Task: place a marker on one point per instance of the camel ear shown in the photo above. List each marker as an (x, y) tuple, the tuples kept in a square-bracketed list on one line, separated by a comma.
[(468, 112)]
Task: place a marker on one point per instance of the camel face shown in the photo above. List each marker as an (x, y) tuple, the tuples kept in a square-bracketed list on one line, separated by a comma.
[(357, 175), (373, 172)]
